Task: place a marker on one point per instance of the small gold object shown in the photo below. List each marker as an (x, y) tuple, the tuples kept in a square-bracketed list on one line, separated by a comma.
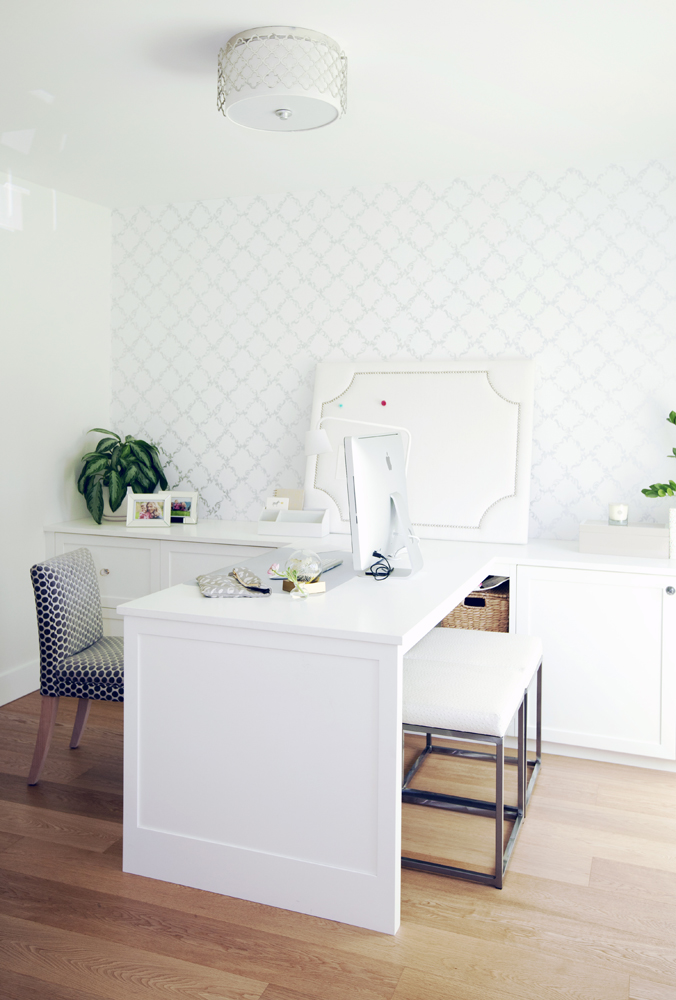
[(318, 587)]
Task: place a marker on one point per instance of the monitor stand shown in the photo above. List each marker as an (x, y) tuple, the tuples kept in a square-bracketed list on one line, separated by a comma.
[(401, 536)]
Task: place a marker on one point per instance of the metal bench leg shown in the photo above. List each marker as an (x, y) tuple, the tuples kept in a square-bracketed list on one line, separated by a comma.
[(499, 811)]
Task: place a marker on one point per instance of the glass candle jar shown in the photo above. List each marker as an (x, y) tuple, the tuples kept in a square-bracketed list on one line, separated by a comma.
[(618, 514)]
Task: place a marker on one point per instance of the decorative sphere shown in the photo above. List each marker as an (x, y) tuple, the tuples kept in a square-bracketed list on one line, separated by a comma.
[(306, 563)]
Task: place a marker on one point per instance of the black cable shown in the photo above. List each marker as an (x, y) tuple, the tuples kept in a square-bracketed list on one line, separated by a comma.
[(381, 569)]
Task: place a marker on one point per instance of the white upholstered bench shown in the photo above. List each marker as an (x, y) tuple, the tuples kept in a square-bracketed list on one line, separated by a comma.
[(468, 686)]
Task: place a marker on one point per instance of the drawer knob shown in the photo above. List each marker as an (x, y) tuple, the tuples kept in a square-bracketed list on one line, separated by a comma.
[(106, 572), (671, 591)]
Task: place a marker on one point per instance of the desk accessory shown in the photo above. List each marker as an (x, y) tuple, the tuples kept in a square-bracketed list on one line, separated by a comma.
[(483, 610), (651, 540), (236, 583), (296, 498), (148, 510), (618, 514), (183, 506), (301, 572), (491, 582), (308, 523), (318, 587)]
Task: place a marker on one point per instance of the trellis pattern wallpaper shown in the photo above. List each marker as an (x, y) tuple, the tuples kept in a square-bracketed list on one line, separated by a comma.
[(221, 309)]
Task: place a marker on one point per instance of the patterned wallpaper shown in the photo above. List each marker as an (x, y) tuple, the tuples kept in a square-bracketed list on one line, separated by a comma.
[(221, 310)]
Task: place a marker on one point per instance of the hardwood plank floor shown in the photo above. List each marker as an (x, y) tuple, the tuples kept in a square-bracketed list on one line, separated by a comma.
[(588, 911)]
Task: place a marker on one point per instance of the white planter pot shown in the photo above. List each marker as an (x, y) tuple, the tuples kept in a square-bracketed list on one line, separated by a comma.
[(113, 515)]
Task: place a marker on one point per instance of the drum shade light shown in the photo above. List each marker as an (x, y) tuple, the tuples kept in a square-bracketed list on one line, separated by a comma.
[(282, 79)]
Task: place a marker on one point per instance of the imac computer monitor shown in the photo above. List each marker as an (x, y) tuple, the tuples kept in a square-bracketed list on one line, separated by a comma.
[(376, 489)]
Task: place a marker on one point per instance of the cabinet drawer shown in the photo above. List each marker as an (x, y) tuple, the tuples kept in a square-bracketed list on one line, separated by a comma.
[(183, 561), (126, 568)]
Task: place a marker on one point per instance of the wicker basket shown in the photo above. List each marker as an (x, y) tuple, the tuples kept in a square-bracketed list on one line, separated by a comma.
[(485, 610)]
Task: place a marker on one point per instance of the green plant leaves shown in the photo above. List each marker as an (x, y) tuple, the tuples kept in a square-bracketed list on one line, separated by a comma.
[(117, 490), (117, 464), (102, 430), (94, 498), (105, 444), (141, 454), (130, 474), (661, 489), (147, 477), (97, 464)]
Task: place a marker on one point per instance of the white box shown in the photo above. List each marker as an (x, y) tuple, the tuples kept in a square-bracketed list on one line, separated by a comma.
[(301, 523), (651, 540)]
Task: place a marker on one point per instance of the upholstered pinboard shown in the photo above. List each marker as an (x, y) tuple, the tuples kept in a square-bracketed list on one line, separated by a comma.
[(76, 659), (467, 431)]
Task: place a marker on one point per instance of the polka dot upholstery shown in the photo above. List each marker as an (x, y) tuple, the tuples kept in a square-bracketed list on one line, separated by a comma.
[(76, 660)]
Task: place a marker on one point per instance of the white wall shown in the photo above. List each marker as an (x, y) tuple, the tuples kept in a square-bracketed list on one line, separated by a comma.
[(222, 309), (54, 385)]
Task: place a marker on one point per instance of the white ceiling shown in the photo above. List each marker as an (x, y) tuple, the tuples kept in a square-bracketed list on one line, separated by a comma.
[(436, 89)]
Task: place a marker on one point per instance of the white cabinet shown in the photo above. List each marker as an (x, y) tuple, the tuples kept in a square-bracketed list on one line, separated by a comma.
[(127, 568), (131, 566), (609, 656), (183, 561)]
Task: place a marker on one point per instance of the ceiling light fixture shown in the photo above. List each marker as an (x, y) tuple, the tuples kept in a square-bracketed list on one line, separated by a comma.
[(282, 79)]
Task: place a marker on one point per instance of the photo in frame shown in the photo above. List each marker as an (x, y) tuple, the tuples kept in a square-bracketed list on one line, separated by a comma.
[(183, 506), (148, 510)]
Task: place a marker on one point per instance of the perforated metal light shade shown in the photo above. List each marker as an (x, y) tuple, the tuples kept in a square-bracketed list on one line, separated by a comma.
[(282, 79)]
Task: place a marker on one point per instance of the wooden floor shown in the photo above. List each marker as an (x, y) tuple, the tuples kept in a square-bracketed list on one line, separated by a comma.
[(588, 911)]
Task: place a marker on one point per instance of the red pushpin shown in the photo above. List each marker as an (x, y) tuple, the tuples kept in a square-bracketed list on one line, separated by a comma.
[(383, 402)]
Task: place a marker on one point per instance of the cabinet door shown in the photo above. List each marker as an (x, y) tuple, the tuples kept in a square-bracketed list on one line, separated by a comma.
[(183, 561), (609, 657), (113, 624), (127, 568)]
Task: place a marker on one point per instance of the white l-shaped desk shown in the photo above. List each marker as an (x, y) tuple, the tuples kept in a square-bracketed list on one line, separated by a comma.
[(263, 737)]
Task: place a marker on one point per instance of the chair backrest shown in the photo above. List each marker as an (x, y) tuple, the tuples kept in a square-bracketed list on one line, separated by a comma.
[(68, 605)]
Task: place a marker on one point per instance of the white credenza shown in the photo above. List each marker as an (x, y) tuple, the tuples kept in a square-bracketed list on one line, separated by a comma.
[(608, 623), (133, 562), (610, 650)]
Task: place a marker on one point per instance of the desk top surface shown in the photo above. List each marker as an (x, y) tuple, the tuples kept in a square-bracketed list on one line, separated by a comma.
[(399, 610)]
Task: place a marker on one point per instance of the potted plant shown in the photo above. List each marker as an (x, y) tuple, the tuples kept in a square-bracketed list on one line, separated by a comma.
[(114, 465), (664, 489)]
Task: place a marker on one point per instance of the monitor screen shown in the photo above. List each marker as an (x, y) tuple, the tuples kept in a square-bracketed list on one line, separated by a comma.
[(376, 478)]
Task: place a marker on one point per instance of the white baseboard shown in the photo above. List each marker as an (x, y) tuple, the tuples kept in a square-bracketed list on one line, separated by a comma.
[(19, 681)]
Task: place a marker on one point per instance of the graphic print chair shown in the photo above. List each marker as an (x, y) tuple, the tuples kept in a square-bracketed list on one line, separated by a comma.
[(468, 685), (76, 659)]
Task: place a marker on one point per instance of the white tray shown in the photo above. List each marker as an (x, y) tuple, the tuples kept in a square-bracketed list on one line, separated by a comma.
[(650, 540), (301, 523)]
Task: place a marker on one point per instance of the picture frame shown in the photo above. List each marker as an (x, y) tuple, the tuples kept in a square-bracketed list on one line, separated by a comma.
[(148, 510), (183, 505)]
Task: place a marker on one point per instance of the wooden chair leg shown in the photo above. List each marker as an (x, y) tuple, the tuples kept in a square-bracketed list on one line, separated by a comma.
[(48, 712), (81, 716)]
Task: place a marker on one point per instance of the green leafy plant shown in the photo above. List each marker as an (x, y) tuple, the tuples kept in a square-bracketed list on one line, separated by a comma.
[(118, 464), (664, 489)]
